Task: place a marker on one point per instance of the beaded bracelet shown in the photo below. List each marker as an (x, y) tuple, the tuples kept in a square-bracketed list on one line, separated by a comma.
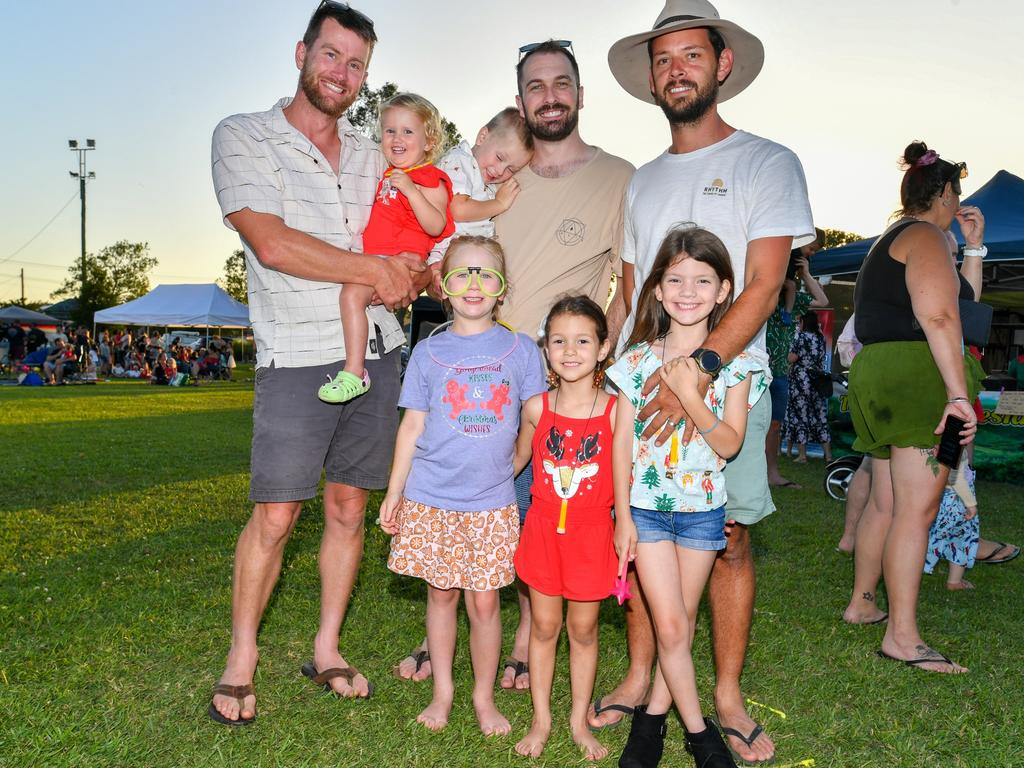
[(710, 429)]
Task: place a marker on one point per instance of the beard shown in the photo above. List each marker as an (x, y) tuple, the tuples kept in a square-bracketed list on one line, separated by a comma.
[(548, 131), (692, 112), (333, 108)]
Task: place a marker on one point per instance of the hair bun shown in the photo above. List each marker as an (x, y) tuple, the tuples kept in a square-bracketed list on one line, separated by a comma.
[(915, 151)]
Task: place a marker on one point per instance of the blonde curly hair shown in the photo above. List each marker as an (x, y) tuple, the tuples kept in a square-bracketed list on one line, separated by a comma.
[(428, 115)]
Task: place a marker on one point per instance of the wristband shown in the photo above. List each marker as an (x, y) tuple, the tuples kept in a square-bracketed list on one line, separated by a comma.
[(981, 251), (957, 400), (710, 429)]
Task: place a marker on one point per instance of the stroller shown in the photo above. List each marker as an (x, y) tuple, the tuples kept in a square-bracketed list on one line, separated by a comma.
[(839, 472)]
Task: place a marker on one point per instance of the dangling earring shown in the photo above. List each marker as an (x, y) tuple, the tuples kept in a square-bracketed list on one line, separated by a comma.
[(599, 376), (552, 379)]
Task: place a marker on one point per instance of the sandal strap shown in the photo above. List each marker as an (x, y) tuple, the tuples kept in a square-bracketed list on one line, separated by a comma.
[(234, 691), (347, 673)]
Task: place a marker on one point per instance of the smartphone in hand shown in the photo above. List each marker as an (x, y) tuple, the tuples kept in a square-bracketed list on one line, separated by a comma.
[(949, 443)]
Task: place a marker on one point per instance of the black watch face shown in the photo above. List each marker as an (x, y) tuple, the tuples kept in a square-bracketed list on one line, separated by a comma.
[(710, 361)]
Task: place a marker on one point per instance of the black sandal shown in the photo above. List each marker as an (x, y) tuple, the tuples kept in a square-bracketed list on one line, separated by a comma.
[(421, 657), (238, 692), (348, 674), (520, 668)]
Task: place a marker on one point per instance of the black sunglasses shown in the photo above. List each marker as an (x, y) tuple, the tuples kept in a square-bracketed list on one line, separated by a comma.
[(956, 173), (338, 6), (526, 50)]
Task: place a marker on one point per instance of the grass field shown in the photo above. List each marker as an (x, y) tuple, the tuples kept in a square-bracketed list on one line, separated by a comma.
[(119, 508)]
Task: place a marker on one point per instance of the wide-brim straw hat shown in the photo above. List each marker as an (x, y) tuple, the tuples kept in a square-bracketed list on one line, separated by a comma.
[(631, 64)]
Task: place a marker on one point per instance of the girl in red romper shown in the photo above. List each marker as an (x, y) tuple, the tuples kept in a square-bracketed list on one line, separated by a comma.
[(566, 548)]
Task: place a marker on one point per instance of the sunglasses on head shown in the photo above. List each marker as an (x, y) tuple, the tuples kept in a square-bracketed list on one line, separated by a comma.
[(526, 50), (339, 6), (956, 173)]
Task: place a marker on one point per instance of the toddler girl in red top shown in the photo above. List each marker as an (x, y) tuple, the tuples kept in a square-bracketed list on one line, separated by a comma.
[(566, 548), (410, 214)]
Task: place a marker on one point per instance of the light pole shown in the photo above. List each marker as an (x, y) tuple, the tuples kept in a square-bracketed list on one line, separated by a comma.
[(82, 175)]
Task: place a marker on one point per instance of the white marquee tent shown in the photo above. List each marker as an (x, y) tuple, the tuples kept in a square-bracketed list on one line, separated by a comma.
[(180, 306)]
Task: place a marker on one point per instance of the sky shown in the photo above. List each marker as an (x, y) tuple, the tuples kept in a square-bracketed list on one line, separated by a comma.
[(845, 85)]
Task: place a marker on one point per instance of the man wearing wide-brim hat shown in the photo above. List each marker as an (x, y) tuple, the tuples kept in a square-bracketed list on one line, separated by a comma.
[(752, 194)]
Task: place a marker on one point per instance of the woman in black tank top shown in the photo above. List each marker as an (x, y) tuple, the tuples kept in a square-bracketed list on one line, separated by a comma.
[(907, 379)]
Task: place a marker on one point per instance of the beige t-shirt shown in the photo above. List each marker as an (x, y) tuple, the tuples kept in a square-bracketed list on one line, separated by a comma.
[(562, 236)]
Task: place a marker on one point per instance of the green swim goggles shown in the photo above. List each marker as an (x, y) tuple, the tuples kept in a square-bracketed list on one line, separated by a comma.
[(490, 282)]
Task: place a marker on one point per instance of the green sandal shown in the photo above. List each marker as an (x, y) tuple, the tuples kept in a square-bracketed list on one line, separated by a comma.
[(345, 386)]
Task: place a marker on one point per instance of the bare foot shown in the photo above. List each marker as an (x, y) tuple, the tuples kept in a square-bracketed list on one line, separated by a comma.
[(955, 586), (736, 718), (628, 694), (921, 656), (510, 678), (532, 744), (864, 612), (415, 666), (239, 670), (435, 716), (492, 722), (326, 658), (591, 748)]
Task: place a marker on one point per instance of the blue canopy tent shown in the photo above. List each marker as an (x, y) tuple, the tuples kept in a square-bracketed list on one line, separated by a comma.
[(1001, 201)]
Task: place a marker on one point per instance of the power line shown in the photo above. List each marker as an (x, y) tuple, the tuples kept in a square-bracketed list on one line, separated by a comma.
[(45, 227)]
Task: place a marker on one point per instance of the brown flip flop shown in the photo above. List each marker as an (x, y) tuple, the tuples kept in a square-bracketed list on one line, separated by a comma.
[(348, 674), (238, 692)]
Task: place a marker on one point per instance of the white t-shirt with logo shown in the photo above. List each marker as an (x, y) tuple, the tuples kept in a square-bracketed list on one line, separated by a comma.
[(741, 189)]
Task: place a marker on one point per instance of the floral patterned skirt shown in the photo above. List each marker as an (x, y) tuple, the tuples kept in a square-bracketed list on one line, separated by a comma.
[(952, 537), (456, 550)]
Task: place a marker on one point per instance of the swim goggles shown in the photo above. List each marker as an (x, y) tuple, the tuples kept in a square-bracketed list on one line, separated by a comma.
[(490, 282)]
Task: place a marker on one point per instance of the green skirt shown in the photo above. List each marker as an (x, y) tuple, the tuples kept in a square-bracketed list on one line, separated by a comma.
[(897, 396)]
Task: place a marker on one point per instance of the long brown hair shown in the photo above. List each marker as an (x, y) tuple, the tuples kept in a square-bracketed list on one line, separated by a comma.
[(694, 243)]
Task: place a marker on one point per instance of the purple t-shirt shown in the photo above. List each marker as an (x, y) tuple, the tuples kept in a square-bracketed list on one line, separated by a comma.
[(471, 388)]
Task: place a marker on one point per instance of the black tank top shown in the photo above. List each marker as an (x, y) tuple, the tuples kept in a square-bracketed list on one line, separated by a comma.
[(881, 302)]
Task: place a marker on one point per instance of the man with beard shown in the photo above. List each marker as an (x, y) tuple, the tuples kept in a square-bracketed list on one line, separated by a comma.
[(297, 183), (752, 193), (563, 235)]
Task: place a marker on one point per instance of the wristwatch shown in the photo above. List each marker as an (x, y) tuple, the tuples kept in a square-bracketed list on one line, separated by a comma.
[(709, 361)]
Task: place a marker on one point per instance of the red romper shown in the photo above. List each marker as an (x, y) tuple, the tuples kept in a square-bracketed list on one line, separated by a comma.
[(576, 468), (393, 227)]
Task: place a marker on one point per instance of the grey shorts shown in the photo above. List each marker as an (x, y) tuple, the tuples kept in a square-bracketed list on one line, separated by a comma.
[(296, 436), (746, 475)]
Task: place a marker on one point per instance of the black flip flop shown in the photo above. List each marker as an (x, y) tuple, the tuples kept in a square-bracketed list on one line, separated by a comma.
[(520, 668), (600, 708), (938, 658), (993, 560), (421, 657), (749, 740)]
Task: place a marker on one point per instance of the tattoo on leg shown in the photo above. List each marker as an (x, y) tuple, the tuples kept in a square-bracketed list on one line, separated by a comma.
[(869, 596), (930, 461)]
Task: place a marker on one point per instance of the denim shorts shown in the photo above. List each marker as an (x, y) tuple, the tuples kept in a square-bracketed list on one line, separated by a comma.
[(524, 498), (779, 391), (693, 530)]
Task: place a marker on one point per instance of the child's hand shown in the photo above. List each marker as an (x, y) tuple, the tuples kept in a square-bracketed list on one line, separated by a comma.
[(400, 180), (507, 194), (389, 521), (682, 376), (970, 513), (625, 541)]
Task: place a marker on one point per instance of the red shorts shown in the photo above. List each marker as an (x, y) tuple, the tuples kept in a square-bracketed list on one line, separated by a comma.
[(579, 564)]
